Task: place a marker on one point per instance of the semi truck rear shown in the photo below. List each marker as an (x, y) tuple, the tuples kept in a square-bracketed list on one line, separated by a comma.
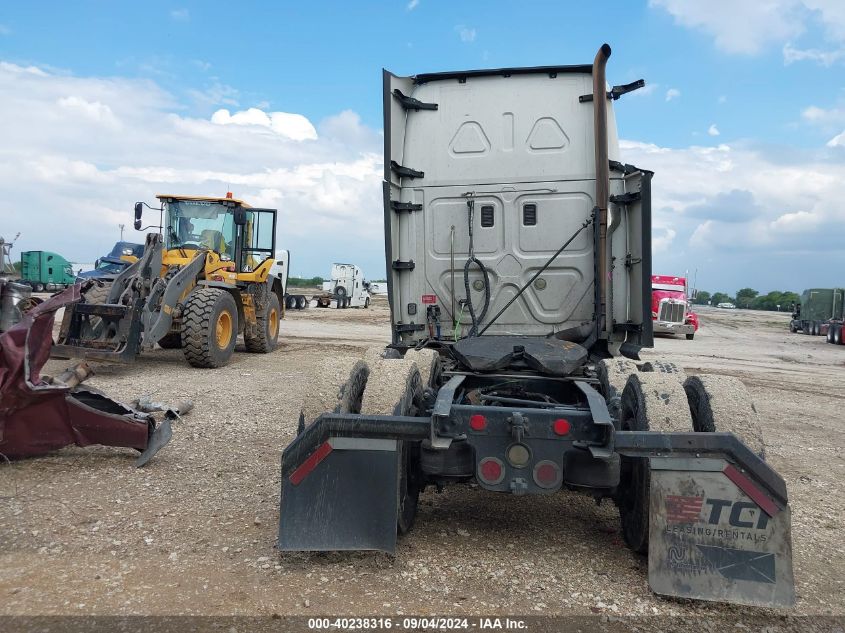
[(518, 249)]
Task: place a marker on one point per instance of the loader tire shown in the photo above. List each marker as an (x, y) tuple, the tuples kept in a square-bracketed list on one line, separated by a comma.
[(613, 374), (209, 327), (267, 331), (722, 404), (394, 387), (173, 340), (650, 402), (339, 388), (429, 364)]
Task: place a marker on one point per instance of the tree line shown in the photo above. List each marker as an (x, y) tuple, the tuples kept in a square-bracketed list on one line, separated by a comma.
[(750, 299)]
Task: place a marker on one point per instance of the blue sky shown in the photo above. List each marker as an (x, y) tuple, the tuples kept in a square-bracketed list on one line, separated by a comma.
[(741, 118)]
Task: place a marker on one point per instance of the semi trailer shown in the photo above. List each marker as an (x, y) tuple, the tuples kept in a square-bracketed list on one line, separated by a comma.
[(512, 222), (819, 309)]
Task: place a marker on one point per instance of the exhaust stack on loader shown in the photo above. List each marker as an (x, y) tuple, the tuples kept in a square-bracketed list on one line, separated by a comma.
[(518, 249)]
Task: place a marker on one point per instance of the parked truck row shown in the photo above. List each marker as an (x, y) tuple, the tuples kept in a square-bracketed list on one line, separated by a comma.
[(820, 313)]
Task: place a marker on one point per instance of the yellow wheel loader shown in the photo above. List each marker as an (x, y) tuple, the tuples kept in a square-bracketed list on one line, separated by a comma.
[(202, 281)]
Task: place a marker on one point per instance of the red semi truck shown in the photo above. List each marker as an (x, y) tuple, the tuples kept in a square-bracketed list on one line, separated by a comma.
[(670, 309)]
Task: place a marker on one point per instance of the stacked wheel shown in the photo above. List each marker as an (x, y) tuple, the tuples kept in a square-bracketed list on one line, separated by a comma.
[(338, 388), (394, 387), (657, 401)]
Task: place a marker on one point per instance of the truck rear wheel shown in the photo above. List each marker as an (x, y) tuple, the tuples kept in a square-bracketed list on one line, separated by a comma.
[(266, 334), (429, 364), (394, 387), (650, 402), (722, 404), (613, 375), (301, 303), (690, 336), (837, 335), (339, 388), (209, 327)]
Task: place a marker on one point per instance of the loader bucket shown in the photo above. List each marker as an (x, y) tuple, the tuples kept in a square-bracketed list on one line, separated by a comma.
[(715, 534), (343, 496)]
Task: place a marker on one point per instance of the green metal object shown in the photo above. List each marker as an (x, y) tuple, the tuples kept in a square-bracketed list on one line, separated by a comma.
[(46, 268)]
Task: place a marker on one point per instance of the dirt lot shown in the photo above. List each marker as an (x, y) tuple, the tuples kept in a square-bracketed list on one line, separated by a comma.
[(83, 532)]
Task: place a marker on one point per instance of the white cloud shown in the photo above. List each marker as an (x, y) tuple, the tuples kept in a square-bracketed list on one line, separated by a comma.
[(672, 93), (180, 15), (825, 58), (837, 141), (749, 26), (822, 116), (465, 33), (293, 126), (413, 4), (77, 175), (713, 130)]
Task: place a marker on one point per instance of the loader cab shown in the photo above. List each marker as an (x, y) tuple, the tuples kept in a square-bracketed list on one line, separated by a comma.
[(227, 226)]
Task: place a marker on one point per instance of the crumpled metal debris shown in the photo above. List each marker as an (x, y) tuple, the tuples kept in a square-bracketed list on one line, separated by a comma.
[(39, 414)]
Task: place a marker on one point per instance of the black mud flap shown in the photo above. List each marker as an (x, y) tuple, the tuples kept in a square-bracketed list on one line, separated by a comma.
[(344, 496), (715, 535)]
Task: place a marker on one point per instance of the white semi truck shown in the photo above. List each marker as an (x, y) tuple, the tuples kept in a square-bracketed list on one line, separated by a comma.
[(511, 220)]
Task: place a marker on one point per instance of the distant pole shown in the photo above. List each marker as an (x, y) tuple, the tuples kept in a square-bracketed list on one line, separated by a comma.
[(121, 232)]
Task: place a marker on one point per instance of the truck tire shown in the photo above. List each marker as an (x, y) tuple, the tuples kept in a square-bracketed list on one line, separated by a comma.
[(301, 302), (290, 302), (650, 402), (209, 327), (690, 336), (267, 331), (613, 374), (38, 287), (339, 388), (394, 387), (722, 404), (429, 364), (340, 291), (172, 340), (831, 329), (837, 335), (367, 302)]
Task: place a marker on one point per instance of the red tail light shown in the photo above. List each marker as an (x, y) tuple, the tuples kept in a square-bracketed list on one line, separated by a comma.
[(478, 423), (547, 474), (561, 426), (491, 471)]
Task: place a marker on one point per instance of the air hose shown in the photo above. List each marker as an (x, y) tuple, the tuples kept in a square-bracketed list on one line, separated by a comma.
[(472, 259)]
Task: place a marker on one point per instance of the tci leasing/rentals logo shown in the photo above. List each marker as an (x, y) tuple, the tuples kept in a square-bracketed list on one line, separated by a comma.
[(740, 514)]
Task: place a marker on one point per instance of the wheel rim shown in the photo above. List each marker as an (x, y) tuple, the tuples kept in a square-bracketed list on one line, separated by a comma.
[(223, 329), (274, 323)]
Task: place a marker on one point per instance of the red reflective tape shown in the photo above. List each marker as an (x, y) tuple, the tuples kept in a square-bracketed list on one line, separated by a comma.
[(750, 488), (429, 298), (311, 463)]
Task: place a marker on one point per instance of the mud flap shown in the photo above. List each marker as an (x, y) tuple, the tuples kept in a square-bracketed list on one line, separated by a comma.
[(715, 535), (344, 496)]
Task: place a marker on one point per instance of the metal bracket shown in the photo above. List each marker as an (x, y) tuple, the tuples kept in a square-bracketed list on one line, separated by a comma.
[(442, 412), (630, 261), (625, 168), (406, 172), (409, 327), (409, 103), (398, 264), (626, 198), (616, 91), (398, 207)]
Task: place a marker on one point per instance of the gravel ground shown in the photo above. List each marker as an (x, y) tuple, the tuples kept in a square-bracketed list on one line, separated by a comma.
[(83, 532)]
